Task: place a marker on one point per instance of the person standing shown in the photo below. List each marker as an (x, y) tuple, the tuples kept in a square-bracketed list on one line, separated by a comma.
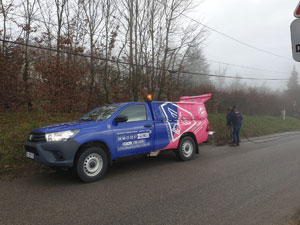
[(236, 120), (229, 124)]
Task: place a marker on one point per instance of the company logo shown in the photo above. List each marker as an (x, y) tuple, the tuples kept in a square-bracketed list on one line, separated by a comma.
[(182, 125)]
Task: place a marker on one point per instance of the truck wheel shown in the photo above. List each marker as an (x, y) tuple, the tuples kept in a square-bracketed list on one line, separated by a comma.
[(91, 164), (186, 149)]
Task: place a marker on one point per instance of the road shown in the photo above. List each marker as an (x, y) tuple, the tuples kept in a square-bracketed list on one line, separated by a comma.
[(250, 184)]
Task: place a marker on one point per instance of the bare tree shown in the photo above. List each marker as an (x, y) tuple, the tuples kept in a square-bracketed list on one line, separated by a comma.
[(5, 8), (110, 35), (94, 17), (76, 29), (60, 8), (45, 11), (173, 10), (29, 9)]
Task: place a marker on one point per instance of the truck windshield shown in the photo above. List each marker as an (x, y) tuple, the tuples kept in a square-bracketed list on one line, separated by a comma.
[(101, 113)]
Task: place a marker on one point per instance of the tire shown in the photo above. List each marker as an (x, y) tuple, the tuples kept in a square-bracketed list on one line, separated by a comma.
[(91, 164), (186, 149)]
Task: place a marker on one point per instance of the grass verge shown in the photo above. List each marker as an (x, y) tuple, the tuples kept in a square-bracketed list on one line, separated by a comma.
[(15, 127), (252, 126), (14, 130)]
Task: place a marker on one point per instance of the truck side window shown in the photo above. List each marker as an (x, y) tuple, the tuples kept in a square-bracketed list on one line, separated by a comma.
[(135, 113)]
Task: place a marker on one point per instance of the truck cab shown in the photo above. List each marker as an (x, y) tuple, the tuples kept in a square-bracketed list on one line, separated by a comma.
[(94, 141)]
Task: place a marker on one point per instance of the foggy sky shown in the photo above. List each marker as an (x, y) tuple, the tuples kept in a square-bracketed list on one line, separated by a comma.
[(262, 23)]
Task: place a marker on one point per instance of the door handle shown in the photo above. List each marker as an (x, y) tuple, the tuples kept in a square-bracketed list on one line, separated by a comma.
[(148, 125)]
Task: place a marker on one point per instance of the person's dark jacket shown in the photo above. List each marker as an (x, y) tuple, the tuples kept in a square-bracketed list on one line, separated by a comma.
[(236, 119), (228, 119)]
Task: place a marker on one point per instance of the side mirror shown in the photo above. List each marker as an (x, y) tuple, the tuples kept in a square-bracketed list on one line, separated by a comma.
[(121, 119)]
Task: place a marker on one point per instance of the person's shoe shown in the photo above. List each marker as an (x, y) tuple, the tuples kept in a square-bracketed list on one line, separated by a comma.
[(232, 144), (237, 144)]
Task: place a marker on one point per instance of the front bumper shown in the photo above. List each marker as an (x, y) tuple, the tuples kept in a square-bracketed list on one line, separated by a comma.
[(57, 154)]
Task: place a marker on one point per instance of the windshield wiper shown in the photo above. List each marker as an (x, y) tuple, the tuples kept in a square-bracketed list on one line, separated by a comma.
[(86, 119)]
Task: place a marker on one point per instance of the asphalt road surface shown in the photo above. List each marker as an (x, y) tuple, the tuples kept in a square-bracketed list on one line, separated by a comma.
[(251, 184)]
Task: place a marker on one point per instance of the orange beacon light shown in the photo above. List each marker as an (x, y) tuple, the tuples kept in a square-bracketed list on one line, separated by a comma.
[(149, 97)]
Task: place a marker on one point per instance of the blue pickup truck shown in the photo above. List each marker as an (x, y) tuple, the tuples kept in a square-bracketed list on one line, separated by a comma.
[(92, 143)]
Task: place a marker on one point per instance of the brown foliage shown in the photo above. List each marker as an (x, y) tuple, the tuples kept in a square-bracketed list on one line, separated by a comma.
[(12, 88), (60, 85)]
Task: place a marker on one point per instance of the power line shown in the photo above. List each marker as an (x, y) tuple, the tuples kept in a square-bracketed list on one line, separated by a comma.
[(233, 77), (144, 66), (231, 37), (238, 41), (246, 67)]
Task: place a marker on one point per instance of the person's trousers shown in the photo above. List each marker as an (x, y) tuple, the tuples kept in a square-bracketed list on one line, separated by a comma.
[(229, 133), (236, 134)]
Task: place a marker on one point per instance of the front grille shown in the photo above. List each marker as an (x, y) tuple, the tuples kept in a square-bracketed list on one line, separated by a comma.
[(31, 149), (37, 137)]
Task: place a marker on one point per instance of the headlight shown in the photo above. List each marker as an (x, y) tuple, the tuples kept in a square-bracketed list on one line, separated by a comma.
[(61, 136)]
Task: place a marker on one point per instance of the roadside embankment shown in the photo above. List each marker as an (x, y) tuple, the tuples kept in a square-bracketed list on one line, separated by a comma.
[(15, 127)]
